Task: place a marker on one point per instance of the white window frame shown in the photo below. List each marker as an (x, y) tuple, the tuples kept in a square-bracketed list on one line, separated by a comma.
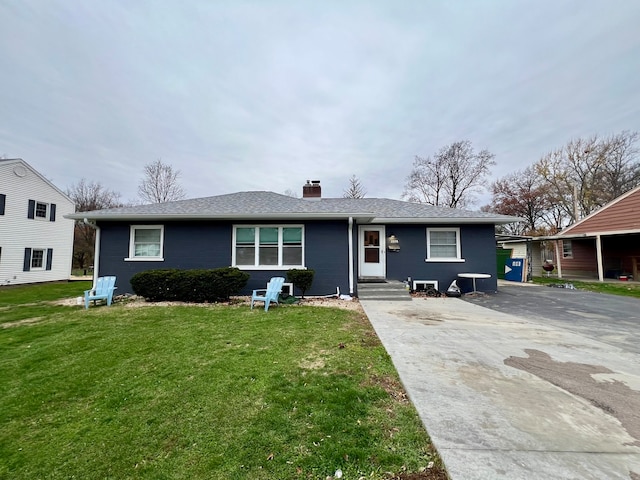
[(44, 259), (567, 249), (256, 265), (47, 209), (132, 247), (457, 258)]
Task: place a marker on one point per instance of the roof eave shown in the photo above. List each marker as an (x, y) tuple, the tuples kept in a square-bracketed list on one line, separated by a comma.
[(261, 216), (363, 217), (447, 220)]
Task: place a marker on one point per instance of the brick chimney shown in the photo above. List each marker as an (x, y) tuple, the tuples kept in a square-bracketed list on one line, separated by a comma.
[(312, 190)]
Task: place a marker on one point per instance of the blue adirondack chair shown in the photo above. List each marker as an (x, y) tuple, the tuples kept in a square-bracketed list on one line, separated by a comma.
[(270, 294), (103, 290)]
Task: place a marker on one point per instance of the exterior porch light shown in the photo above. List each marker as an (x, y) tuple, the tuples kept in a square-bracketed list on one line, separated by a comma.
[(393, 244)]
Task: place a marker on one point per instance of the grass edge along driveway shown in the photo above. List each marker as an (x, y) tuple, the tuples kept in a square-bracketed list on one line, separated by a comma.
[(213, 392)]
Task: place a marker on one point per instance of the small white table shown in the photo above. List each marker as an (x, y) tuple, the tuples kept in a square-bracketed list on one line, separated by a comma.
[(473, 277)]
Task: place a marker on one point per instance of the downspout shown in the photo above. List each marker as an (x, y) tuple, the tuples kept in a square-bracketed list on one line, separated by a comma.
[(351, 256), (96, 251), (599, 257)]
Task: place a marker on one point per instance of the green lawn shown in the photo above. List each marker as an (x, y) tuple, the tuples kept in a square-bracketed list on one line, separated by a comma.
[(215, 392), (41, 292), (627, 289)]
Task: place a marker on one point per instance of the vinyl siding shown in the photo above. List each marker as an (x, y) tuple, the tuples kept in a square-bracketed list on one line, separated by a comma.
[(478, 249), (583, 261), (208, 244), (620, 216), (618, 252), (18, 232)]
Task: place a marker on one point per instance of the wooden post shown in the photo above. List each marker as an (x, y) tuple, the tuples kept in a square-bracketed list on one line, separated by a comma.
[(558, 257), (599, 258)]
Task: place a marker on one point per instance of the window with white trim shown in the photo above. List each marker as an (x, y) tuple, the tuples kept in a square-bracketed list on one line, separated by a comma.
[(146, 242), (42, 210), (443, 245), (567, 249), (268, 246), (37, 259)]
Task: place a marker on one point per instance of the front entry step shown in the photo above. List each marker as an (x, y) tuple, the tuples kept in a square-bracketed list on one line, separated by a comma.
[(390, 290)]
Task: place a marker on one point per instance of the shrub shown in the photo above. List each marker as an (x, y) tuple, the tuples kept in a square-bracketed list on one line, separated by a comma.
[(189, 285), (301, 278), (154, 285)]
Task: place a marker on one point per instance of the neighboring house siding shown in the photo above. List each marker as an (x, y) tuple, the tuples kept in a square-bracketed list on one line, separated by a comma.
[(18, 232), (518, 249), (616, 223), (583, 259), (205, 244), (618, 254), (622, 215), (477, 249)]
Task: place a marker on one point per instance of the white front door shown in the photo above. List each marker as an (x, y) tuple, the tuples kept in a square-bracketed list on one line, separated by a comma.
[(371, 252)]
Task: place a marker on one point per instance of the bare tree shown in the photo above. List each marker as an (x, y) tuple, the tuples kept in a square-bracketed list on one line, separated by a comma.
[(355, 190), (290, 193), (585, 174), (450, 178), (88, 196), (622, 165), (522, 194), (160, 183)]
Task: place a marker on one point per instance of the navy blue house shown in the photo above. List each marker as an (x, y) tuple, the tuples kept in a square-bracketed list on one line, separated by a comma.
[(345, 240)]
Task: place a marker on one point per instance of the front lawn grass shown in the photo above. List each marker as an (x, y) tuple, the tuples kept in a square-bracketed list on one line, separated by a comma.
[(40, 292), (627, 289), (203, 392)]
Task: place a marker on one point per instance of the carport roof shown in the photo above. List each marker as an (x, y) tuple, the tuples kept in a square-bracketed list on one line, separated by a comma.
[(574, 236)]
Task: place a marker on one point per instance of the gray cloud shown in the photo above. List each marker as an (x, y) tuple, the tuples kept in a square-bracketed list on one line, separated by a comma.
[(264, 95)]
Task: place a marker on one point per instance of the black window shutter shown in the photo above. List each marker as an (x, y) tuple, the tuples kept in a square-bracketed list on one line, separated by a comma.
[(31, 213), (49, 258), (3, 200), (52, 212), (27, 260)]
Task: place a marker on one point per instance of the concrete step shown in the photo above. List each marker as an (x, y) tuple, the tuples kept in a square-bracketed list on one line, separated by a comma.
[(383, 291)]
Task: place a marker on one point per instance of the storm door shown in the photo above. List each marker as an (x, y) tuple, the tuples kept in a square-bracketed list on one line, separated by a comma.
[(371, 252)]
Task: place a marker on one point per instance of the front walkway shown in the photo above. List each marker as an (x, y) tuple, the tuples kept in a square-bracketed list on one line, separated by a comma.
[(507, 398)]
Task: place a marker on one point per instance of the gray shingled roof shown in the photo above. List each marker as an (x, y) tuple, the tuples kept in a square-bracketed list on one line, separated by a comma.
[(270, 205)]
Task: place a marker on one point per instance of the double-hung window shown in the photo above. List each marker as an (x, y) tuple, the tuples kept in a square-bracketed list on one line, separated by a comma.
[(37, 259), (146, 242), (567, 249), (41, 210), (268, 246), (443, 245)]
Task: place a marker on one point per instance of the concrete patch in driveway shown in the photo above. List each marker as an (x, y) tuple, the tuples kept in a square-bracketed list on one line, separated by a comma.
[(489, 419)]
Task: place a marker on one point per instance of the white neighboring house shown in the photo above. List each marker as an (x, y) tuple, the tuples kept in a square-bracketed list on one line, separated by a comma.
[(36, 241)]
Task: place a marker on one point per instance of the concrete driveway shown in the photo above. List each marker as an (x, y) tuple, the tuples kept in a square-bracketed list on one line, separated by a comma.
[(526, 396)]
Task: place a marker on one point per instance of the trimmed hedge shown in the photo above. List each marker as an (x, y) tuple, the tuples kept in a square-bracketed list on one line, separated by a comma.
[(197, 286), (301, 279)]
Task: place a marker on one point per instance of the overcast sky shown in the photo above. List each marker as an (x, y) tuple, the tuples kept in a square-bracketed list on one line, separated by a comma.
[(263, 95)]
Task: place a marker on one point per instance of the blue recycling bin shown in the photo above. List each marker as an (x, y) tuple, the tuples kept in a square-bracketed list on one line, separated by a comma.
[(513, 269)]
